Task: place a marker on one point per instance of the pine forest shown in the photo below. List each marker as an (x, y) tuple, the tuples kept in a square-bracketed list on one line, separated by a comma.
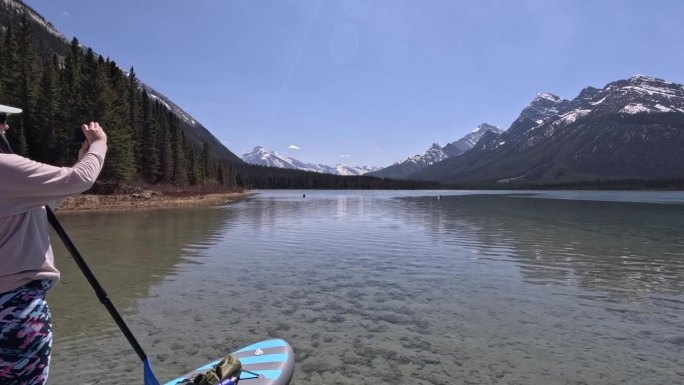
[(57, 95)]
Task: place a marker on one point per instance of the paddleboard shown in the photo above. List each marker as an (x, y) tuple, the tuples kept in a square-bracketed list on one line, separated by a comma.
[(269, 362)]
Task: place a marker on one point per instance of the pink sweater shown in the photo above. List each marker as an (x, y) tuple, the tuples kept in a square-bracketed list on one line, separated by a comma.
[(25, 188)]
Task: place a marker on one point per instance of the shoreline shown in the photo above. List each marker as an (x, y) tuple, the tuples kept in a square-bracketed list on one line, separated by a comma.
[(127, 202)]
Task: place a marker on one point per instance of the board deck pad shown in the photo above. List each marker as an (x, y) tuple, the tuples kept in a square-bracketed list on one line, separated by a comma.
[(269, 362)]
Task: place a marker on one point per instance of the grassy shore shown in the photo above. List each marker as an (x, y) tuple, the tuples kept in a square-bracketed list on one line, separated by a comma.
[(148, 200)]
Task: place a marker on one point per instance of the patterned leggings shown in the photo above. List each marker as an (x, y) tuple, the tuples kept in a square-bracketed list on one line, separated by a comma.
[(25, 335)]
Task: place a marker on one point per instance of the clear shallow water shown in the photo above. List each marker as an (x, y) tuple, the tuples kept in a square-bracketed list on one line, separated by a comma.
[(377, 287)]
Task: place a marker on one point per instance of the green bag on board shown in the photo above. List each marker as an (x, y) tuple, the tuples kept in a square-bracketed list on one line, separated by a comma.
[(228, 367)]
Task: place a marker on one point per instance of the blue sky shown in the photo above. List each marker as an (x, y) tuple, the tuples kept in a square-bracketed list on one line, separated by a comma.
[(371, 82)]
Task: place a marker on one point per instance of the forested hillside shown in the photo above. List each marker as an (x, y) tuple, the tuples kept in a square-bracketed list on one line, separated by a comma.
[(58, 95)]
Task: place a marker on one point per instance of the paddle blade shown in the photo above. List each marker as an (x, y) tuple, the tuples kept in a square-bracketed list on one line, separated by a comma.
[(149, 376)]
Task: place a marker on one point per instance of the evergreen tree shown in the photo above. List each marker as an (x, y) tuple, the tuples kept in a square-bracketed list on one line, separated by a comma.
[(137, 102), (9, 65), (119, 116), (46, 114), (149, 142), (220, 177), (120, 161), (93, 84), (180, 176), (194, 167), (29, 70), (121, 103), (72, 112), (167, 156), (14, 91), (207, 169)]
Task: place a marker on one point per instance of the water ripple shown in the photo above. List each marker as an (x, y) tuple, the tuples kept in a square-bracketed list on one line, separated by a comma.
[(371, 286)]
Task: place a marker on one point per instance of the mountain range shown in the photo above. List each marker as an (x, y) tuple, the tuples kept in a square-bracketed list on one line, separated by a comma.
[(263, 157), (435, 154), (629, 129)]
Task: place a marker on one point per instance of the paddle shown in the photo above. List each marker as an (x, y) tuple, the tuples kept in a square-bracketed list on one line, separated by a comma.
[(149, 376)]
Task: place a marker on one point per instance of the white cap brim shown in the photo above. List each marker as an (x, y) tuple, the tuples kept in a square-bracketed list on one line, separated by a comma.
[(9, 110)]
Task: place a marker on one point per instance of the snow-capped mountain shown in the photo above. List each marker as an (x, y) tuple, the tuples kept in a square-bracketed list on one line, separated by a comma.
[(470, 140), (263, 157), (542, 108), (260, 156), (343, 169), (630, 129), (411, 165), (436, 154)]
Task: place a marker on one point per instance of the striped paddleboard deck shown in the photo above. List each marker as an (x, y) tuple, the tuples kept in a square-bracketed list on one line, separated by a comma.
[(269, 362)]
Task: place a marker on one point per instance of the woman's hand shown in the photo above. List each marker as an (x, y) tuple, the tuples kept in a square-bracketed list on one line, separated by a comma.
[(93, 132)]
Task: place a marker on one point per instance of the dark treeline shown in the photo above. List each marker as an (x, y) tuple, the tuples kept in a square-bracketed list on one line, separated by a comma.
[(262, 177), (146, 143), (617, 184), (595, 184)]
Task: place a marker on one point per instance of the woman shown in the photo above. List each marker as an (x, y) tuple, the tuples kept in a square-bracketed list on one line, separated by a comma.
[(27, 268)]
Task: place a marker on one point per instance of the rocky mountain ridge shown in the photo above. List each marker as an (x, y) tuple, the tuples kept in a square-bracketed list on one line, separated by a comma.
[(630, 129), (435, 154)]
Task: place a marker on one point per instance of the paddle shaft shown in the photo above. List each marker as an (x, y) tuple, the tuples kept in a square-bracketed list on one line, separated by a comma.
[(99, 291), (94, 283)]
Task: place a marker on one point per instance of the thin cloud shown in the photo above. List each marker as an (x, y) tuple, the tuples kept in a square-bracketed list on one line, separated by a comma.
[(66, 13), (344, 156), (292, 146)]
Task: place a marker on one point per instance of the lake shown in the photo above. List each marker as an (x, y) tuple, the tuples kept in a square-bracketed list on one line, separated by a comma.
[(385, 287)]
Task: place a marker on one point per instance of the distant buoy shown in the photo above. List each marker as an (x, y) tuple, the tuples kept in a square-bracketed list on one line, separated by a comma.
[(439, 197), (303, 195)]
